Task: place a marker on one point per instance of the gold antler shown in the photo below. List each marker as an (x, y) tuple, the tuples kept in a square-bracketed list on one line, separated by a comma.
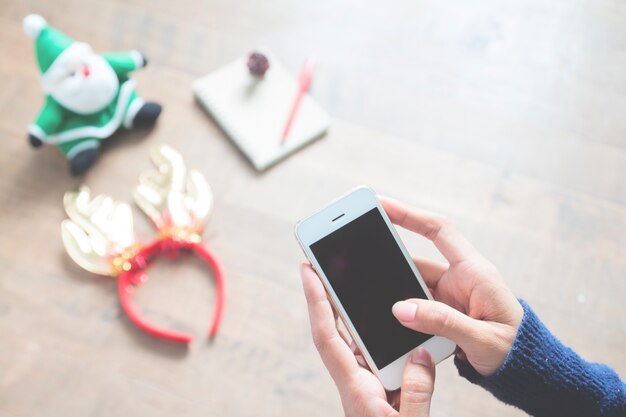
[(97, 231), (177, 201)]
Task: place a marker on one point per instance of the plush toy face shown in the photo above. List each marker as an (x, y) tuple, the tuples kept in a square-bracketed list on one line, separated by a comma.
[(81, 80)]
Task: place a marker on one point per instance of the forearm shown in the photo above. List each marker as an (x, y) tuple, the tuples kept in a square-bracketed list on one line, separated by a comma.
[(545, 378), (125, 62)]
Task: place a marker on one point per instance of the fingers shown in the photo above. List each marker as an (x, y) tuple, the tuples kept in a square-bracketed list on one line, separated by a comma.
[(417, 384), (450, 242), (354, 348), (335, 353), (430, 271), (345, 336), (434, 317)]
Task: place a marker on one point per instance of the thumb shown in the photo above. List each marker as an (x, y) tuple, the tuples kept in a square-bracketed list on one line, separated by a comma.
[(417, 384), (439, 319)]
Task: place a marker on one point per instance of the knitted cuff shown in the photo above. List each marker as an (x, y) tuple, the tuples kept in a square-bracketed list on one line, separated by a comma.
[(545, 378)]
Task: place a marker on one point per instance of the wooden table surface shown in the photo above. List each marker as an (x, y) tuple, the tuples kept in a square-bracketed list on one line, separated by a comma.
[(509, 117)]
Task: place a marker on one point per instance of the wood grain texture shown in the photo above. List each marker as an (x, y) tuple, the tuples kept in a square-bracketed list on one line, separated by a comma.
[(507, 117)]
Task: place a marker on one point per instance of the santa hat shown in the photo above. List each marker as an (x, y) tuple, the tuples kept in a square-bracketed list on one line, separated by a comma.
[(49, 42)]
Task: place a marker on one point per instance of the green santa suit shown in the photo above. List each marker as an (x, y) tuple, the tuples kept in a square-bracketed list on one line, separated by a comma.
[(74, 130)]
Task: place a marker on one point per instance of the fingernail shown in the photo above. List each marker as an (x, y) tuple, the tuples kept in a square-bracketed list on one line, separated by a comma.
[(404, 310), (420, 356)]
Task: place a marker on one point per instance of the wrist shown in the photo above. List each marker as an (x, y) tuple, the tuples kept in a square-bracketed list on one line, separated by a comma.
[(509, 333), (542, 376)]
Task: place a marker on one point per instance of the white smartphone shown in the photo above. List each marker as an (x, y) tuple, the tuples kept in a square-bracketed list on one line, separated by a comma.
[(365, 268)]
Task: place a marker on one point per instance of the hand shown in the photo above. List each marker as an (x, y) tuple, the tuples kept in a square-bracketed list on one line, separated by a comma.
[(361, 392), (474, 308), (35, 142)]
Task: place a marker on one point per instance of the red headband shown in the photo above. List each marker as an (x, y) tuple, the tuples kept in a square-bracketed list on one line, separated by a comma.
[(99, 236)]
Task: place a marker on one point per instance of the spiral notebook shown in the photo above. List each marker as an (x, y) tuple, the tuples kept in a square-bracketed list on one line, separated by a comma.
[(253, 112)]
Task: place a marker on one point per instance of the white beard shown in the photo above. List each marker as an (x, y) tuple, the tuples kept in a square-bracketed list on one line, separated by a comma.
[(79, 93)]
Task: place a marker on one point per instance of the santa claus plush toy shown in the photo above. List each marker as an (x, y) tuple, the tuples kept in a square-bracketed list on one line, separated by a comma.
[(88, 96)]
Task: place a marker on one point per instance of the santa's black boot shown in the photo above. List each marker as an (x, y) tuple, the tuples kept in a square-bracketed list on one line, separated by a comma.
[(84, 159), (147, 115)]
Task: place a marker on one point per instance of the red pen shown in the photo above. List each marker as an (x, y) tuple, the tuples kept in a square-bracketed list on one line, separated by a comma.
[(303, 86)]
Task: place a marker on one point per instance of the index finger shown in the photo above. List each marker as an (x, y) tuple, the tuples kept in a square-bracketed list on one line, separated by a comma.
[(335, 353), (435, 227)]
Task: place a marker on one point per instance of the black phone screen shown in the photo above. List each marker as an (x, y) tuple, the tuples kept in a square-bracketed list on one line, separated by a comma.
[(369, 273)]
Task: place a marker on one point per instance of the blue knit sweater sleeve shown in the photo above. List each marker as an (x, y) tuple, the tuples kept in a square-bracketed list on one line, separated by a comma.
[(545, 378)]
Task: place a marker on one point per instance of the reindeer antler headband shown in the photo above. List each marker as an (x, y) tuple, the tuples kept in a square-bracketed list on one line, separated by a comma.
[(99, 236)]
